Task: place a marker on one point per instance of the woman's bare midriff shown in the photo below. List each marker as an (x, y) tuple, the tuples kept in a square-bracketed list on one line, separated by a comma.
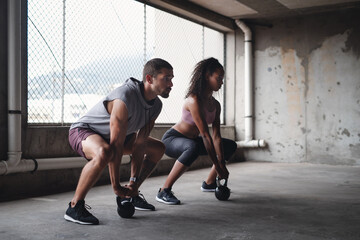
[(190, 131)]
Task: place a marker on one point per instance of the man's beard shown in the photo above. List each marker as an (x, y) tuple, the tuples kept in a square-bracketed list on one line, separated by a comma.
[(166, 93)]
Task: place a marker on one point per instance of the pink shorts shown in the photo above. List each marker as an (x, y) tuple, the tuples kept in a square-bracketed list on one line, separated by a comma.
[(77, 135)]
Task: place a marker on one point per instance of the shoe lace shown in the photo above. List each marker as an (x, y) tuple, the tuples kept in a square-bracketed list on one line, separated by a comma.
[(84, 210), (171, 194), (141, 196), (87, 206)]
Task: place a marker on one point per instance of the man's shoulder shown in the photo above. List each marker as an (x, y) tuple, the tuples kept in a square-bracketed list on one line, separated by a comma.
[(124, 89)]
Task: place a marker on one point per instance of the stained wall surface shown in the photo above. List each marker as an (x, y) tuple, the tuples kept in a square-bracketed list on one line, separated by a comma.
[(306, 89)]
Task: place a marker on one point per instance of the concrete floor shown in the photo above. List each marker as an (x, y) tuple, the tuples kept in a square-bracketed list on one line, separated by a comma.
[(268, 201)]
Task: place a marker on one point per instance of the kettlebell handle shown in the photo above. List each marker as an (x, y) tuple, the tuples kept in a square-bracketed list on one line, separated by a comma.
[(218, 182)]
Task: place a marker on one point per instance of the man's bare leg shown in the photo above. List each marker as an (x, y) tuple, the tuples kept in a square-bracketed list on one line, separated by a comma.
[(97, 150), (154, 151), (93, 147)]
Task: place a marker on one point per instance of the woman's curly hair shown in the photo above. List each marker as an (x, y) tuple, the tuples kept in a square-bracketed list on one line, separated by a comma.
[(198, 81)]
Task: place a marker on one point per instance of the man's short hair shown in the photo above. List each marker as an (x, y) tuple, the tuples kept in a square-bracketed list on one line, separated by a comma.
[(153, 67)]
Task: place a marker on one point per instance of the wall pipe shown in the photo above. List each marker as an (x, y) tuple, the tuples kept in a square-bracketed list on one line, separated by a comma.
[(32, 165), (249, 127), (14, 86)]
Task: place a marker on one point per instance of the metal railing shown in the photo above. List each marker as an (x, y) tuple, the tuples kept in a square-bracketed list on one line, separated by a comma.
[(79, 50)]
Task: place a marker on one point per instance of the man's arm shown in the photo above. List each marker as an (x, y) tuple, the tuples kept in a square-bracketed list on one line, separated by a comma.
[(139, 151), (118, 126)]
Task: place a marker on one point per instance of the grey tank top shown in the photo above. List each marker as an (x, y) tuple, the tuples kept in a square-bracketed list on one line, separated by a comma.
[(140, 112)]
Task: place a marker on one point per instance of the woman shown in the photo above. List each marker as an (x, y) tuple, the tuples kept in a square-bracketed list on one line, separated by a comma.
[(190, 137)]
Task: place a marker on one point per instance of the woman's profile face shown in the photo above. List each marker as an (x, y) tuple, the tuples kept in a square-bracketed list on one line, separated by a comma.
[(215, 80)]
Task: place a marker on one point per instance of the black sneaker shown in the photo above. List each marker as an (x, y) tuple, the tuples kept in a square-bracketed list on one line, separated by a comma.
[(208, 188), (141, 204), (80, 214), (167, 196)]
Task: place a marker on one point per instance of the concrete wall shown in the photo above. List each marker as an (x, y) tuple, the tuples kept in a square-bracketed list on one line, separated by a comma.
[(307, 89)]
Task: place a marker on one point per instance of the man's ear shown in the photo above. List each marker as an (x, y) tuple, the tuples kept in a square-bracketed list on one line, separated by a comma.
[(149, 79)]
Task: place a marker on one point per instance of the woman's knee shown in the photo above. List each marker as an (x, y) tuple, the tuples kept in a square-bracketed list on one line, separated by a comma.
[(233, 146), (230, 147), (189, 155)]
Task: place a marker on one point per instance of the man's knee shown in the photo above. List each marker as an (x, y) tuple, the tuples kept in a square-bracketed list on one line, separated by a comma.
[(104, 155), (161, 148), (158, 146), (155, 149)]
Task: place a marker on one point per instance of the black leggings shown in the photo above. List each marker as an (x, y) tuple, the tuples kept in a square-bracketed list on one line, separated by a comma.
[(186, 150)]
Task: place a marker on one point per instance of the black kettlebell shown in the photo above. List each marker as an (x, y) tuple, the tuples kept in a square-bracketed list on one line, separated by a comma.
[(222, 192), (125, 208)]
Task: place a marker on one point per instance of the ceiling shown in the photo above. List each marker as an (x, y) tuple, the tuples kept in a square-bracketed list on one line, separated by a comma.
[(220, 14), (236, 9)]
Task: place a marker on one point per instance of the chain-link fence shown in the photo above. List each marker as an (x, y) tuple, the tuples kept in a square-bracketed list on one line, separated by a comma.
[(79, 50)]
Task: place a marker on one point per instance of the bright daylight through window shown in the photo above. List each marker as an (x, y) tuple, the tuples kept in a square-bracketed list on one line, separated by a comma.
[(79, 50)]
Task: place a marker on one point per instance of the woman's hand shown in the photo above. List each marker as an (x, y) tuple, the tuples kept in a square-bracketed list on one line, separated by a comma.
[(222, 171)]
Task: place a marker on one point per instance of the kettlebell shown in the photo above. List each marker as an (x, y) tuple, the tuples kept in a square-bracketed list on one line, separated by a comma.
[(125, 208), (222, 192)]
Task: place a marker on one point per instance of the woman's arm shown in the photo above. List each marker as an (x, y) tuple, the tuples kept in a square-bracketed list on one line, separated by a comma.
[(197, 114), (217, 138)]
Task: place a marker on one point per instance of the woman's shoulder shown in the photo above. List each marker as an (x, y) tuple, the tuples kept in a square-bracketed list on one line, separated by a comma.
[(191, 102), (192, 99)]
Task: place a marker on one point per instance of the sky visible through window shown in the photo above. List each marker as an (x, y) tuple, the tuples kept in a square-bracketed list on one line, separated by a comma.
[(79, 50)]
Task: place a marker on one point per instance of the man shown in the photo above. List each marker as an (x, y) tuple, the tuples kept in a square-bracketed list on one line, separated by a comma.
[(120, 124)]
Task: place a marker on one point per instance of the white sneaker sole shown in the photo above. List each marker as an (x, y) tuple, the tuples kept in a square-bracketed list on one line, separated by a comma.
[(207, 190), (168, 203), (70, 219), (142, 209)]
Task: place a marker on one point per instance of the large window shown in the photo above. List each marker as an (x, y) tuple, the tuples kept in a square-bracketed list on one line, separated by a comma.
[(79, 50)]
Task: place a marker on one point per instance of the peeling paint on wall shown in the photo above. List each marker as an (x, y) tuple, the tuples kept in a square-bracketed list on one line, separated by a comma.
[(346, 132), (352, 42), (333, 75), (355, 150), (293, 79), (307, 81)]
